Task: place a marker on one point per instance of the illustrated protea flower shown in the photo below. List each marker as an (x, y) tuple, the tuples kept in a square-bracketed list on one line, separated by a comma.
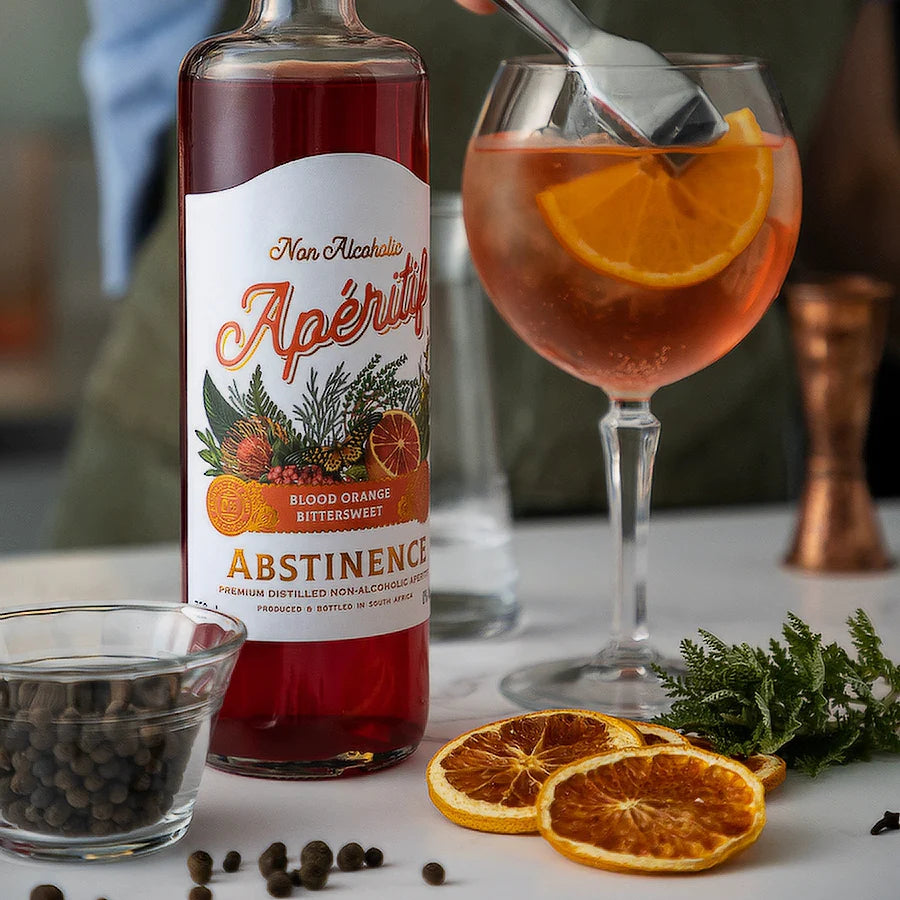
[(247, 447)]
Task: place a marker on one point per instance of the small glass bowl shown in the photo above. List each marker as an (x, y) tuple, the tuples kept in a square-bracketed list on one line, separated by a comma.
[(105, 718)]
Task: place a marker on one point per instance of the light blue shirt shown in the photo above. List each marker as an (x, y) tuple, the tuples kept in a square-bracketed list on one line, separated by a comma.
[(129, 66)]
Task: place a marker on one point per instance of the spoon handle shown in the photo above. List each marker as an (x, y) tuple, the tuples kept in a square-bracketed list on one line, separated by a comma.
[(648, 103), (558, 23)]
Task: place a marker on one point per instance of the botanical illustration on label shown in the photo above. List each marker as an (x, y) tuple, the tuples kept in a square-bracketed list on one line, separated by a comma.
[(270, 469), (307, 399)]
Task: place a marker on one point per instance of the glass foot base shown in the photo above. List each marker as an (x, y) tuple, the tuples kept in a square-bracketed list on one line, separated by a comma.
[(466, 616), (628, 691)]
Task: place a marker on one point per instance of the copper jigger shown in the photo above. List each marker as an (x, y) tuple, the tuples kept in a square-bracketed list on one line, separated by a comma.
[(838, 324)]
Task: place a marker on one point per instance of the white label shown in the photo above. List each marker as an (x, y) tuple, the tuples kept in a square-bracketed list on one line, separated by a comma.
[(307, 399)]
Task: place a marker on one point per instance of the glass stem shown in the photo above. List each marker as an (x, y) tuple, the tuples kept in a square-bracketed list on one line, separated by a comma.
[(630, 434)]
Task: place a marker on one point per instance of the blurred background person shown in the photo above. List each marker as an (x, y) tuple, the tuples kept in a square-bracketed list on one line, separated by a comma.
[(731, 432)]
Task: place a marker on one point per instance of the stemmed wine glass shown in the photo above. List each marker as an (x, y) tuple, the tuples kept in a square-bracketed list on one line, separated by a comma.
[(630, 267)]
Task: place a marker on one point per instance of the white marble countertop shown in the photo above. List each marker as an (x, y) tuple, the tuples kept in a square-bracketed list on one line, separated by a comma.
[(718, 570)]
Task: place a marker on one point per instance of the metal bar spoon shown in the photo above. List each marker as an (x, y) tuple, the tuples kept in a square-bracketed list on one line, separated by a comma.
[(650, 104)]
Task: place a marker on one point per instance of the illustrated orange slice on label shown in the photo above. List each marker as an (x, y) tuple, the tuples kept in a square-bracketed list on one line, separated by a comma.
[(644, 222), (666, 808), (228, 505), (488, 779), (394, 447)]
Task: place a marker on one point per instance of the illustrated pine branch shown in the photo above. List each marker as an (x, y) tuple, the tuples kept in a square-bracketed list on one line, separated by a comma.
[(813, 704), (257, 402), (376, 388), (320, 412)]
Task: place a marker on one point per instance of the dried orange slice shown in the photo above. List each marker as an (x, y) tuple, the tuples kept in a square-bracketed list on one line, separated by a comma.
[(642, 222), (667, 808), (394, 447), (770, 769), (488, 778), (657, 734)]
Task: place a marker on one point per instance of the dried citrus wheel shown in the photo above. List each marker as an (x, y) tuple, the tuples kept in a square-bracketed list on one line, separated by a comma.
[(643, 222), (657, 734), (489, 778), (393, 447), (771, 770), (667, 808)]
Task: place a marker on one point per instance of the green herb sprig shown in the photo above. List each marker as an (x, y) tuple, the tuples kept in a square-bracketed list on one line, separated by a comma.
[(813, 704)]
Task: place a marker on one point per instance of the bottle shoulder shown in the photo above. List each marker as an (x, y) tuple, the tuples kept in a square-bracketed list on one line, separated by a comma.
[(240, 55)]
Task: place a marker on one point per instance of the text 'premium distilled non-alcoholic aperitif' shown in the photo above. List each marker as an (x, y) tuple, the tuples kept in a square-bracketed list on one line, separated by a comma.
[(304, 164)]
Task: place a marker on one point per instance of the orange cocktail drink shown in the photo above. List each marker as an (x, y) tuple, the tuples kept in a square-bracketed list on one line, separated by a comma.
[(622, 269), (630, 265)]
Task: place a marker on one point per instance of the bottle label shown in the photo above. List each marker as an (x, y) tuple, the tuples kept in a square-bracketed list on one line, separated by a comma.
[(307, 399)]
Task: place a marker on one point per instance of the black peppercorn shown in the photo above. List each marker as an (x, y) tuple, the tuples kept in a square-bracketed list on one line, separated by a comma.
[(77, 762), (296, 880), (46, 892), (374, 857), (350, 857), (279, 884), (200, 892), (273, 859), (890, 821), (433, 873), (313, 876), (232, 861), (317, 852), (200, 866)]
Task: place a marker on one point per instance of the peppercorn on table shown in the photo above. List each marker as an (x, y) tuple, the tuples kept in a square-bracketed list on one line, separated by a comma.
[(717, 570)]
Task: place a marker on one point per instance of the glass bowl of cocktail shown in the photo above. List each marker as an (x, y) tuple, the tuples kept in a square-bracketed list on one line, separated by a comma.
[(631, 267)]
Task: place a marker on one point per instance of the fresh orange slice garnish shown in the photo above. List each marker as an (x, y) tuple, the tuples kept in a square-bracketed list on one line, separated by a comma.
[(657, 734), (666, 808), (394, 446), (488, 778), (643, 222)]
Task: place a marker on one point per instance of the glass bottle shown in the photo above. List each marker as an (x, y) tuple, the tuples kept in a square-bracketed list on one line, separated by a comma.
[(303, 159)]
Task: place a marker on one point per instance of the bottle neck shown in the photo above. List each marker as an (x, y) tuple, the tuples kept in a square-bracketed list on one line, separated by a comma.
[(303, 14)]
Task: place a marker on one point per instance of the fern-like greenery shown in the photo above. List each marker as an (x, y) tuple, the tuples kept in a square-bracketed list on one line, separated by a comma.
[(813, 704)]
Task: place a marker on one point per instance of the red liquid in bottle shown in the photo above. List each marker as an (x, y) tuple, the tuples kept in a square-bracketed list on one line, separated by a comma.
[(312, 708)]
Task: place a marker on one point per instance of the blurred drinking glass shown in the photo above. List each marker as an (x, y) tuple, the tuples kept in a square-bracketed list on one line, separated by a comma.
[(473, 574)]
